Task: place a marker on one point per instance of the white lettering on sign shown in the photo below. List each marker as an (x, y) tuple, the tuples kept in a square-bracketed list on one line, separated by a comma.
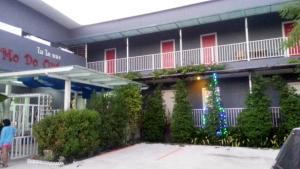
[(45, 52)]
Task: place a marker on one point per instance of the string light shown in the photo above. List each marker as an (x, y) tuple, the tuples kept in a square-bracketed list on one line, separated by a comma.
[(222, 130)]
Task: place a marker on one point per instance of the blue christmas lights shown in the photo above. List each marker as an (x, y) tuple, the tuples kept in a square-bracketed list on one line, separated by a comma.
[(222, 130)]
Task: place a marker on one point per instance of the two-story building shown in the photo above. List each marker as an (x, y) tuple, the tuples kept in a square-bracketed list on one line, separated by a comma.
[(246, 36)]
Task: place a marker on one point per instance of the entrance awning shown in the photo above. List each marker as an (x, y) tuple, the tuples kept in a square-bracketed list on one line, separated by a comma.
[(67, 78)]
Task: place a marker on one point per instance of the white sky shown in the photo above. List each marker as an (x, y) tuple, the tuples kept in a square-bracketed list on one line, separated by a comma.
[(93, 11)]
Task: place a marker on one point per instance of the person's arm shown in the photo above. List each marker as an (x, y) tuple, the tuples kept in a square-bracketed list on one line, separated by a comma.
[(2, 135)]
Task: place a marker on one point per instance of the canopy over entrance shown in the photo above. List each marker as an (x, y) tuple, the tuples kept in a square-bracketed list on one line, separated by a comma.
[(68, 78)]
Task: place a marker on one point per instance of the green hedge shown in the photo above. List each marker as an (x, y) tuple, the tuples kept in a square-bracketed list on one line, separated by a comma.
[(120, 112), (182, 125), (114, 120), (255, 121), (154, 117), (72, 134), (289, 106), (235, 138)]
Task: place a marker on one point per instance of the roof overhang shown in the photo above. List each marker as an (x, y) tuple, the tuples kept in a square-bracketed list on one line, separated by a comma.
[(75, 74), (179, 24)]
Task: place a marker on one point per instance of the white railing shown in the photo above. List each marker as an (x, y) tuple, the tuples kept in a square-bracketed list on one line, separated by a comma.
[(199, 116), (23, 146), (276, 118), (232, 114), (267, 48), (259, 49), (24, 116), (97, 65)]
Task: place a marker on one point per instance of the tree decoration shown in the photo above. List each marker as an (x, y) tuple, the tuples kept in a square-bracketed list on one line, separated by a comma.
[(221, 130), (204, 117)]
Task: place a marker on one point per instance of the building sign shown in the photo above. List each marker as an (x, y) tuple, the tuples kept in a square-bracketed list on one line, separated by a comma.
[(18, 53)]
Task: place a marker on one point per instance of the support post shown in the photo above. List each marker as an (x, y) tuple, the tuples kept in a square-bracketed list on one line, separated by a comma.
[(247, 39), (250, 82), (86, 55), (180, 46), (8, 89), (67, 95), (153, 66), (127, 54)]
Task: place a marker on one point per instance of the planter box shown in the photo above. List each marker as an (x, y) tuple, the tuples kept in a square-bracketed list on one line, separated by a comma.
[(48, 163)]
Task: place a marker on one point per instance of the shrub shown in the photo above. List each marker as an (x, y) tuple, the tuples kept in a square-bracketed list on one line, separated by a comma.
[(234, 138), (154, 117), (289, 105), (255, 121), (131, 75), (182, 121), (121, 113), (72, 134), (114, 120), (128, 99)]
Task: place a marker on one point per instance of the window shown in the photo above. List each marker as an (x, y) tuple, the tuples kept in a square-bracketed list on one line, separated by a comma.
[(11, 29)]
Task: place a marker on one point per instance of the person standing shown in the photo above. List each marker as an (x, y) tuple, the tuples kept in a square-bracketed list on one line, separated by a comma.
[(6, 139)]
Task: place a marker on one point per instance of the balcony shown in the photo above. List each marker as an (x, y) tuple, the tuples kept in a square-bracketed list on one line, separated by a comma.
[(232, 114), (245, 51)]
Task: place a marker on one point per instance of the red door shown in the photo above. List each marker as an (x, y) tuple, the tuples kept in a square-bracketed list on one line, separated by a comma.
[(208, 43), (168, 54), (288, 27), (110, 57)]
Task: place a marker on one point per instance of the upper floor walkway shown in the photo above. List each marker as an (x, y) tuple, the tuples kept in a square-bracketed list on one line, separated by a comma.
[(219, 54)]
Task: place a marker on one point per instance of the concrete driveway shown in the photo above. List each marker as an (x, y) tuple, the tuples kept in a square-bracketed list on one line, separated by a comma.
[(163, 156)]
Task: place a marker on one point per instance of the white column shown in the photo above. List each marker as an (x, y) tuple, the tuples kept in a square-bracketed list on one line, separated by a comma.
[(86, 54), (67, 97), (8, 88), (250, 82), (153, 66), (127, 54), (180, 45), (247, 39)]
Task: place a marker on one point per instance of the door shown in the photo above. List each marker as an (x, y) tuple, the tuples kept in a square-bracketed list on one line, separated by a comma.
[(167, 50), (110, 58), (208, 43), (288, 27)]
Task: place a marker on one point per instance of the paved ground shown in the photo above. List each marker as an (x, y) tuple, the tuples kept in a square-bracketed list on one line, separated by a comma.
[(161, 156)]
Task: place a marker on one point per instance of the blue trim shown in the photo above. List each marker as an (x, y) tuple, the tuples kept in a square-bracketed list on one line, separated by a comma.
[(58, 84)]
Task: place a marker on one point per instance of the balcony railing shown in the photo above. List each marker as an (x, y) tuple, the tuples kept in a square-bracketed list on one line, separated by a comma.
[(260, 49), (232, 114)]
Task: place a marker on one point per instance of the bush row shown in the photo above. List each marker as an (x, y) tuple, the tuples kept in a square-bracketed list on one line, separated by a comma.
[(112, 120), (72, 134), (115, 119), (254, 123)]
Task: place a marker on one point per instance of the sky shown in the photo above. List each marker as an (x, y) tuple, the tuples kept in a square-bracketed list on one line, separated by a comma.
[(87, 12)]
